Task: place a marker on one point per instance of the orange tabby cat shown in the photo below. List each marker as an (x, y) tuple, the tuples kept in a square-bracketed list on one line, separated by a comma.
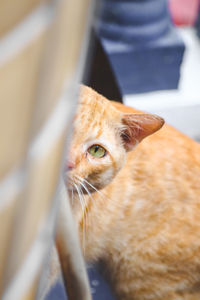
[(137, 211)]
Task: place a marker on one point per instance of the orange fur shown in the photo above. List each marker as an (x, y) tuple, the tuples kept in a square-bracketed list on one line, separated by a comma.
[(144, 224)]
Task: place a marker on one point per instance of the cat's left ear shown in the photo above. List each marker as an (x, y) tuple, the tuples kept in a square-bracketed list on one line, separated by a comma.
[(137, 126)]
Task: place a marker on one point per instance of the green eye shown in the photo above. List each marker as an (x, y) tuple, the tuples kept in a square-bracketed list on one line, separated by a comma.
[(97, 151)]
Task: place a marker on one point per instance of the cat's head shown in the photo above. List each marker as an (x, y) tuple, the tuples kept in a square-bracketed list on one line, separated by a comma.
[(102, 136)]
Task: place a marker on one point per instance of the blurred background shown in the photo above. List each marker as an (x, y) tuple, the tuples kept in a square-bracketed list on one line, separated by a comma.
[(178, 104), (154, 51)]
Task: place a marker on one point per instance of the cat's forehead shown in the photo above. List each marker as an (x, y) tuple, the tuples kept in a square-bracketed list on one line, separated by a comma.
[(94, 108), (92, 119), (95, 115)]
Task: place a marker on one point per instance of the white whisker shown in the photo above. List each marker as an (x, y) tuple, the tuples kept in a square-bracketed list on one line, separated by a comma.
[(72, 194), (83, 211), (90, 185), (103, 196), (99, 192), (88, 192)]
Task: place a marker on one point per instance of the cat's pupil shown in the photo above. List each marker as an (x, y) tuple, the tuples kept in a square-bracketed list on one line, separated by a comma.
[(96, 148)]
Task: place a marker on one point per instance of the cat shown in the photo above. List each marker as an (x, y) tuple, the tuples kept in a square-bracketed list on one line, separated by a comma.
[(136, 202)]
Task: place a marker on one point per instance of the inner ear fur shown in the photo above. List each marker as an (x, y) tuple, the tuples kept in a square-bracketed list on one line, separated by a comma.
[(137, 126)]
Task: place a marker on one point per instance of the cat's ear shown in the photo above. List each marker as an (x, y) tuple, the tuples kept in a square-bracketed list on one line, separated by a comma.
[(137, 126)]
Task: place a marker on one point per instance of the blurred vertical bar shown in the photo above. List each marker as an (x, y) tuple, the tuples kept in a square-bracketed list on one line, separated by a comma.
[(40, 43), (69, 252)]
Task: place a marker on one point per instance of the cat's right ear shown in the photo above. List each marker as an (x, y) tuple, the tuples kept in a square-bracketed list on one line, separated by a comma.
[(137, 126)]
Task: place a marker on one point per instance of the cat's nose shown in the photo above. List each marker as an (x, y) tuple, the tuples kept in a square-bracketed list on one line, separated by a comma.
[(70, 165)]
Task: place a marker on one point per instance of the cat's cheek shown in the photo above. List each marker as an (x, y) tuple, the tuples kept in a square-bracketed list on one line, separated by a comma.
[(97, 161), (107, 176)]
